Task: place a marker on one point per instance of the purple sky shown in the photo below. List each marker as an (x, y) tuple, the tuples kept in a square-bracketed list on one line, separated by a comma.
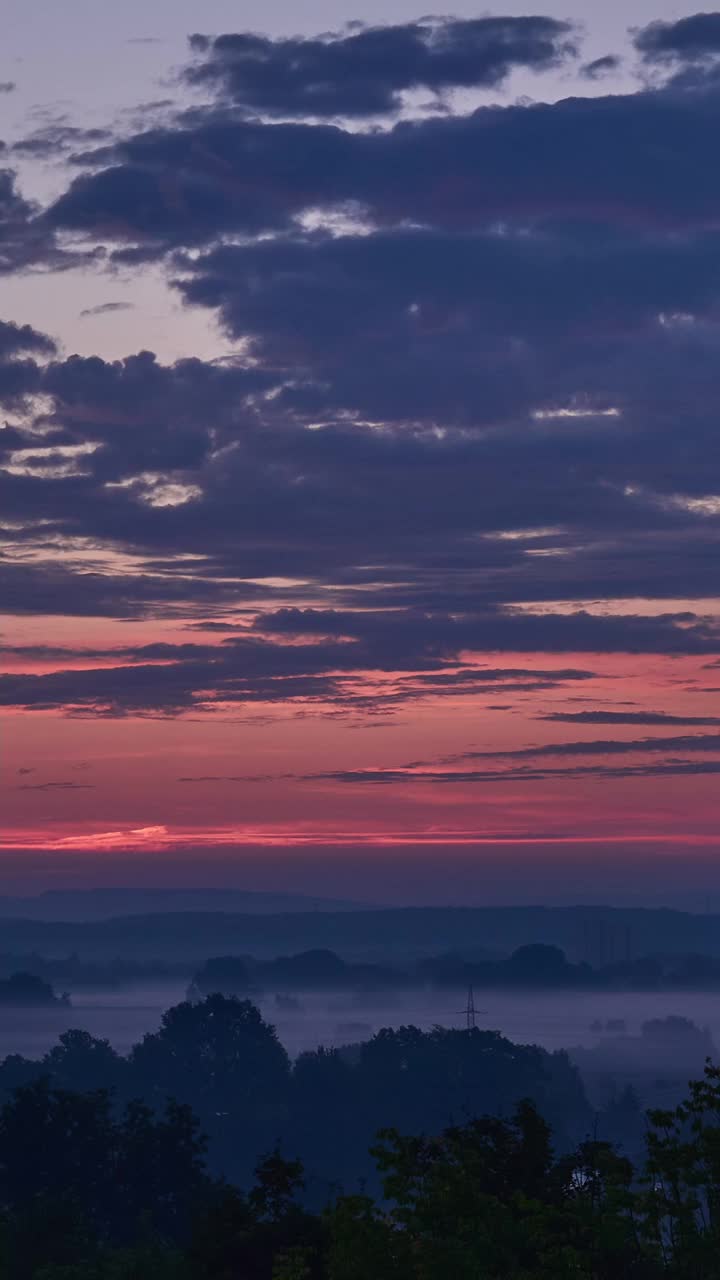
[(359, 469)]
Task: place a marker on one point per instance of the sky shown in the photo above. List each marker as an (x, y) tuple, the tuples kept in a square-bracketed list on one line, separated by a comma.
[(359, 457)]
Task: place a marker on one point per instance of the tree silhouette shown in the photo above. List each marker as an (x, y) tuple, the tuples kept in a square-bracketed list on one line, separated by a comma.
[(81, 1062), (218, 1054)]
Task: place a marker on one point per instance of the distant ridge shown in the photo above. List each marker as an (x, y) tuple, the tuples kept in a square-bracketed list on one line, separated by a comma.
[(595, 934), (76, 906)]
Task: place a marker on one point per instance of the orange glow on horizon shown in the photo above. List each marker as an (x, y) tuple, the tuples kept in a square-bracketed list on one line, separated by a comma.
[(159, 838)]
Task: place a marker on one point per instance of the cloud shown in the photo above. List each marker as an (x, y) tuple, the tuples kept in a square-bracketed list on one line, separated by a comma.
[(475, 383), (365, 70), (600, 67), (171, 679), (433, 770), (690, 39), (26, 241), (626, 717), (7, 86), (386, 777), (506, 309), (57, 138), (55, 786), (507, 766), (500, 629), (553, 313), (586, 515), (700, 742), (107, 308), (16, 339), (19, 373), (684, 54), (216, 778), (18, 241), (402, 658), (611, 160)]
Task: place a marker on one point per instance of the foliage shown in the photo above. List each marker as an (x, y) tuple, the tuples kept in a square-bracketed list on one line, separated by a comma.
[(220, 1057), (27, 991), (96, 1185)]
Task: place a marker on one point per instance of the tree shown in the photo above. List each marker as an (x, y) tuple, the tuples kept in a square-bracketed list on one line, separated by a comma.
[(682, 1201), (538, 964), (264, 1236), (488, 1201), (75, 1179), (156, 1260), (277, 1183), (227, 974), (622, 1121), (27, 991), (220, 1055), (55, 1142), (469, 1203), (421, 1081), (81, 1062), (226, 1062), (159, 1172)]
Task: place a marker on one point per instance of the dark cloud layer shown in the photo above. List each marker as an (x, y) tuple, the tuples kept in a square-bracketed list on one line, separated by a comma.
[(421, 653), (169, 678), (387, 777), (27, 242), (626, 717), (19, 244), (266, 496), (16, 339), (627, 159), (689, 39), (364, 71), (476, 369), (499, 629), (682, 743)]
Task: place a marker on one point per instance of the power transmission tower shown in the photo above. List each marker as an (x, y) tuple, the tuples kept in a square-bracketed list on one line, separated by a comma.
[(470, 1010)]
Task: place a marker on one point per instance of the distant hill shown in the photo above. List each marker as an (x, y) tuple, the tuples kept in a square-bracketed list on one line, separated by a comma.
[(597, 935), (75, 905)]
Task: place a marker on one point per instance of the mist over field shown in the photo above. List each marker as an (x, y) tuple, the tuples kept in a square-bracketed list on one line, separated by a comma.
[(621, 990), (552, 1019)]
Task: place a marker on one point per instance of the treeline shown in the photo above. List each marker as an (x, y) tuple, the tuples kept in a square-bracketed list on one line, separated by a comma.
[(73, 972), (28, 991), (89, 1191), (534, 965), (222, 1059)]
